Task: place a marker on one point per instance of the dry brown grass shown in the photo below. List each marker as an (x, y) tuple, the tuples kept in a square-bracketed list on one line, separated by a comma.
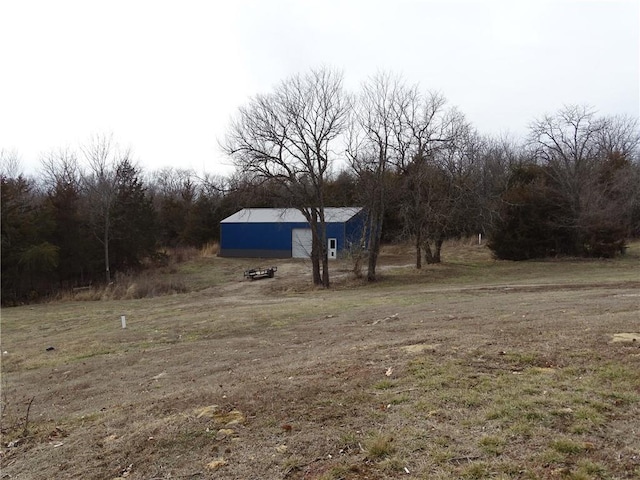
[(145, 284), (471, 369), (210, 249), (171, 276)]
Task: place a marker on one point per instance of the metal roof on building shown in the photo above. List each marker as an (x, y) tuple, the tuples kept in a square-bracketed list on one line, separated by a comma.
[(289, 215)]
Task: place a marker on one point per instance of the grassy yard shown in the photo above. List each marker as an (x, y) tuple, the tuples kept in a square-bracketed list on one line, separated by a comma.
[(471, 369)]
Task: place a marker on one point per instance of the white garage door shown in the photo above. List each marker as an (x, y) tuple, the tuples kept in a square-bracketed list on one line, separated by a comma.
[(301, 242)]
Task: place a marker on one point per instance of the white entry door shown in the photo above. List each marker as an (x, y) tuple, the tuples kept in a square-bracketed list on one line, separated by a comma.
[(332, 249), (301, 242)]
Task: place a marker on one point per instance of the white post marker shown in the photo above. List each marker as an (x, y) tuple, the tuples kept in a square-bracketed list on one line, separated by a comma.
[(479, 239), (124, 321)]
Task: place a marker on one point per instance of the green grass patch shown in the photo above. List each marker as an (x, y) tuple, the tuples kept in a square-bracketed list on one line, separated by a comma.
[(567, 446), (475, 471), (492, 444), (384, 385)]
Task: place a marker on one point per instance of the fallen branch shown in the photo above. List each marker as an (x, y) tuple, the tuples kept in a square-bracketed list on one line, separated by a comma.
[(398, 392), (467, 458)]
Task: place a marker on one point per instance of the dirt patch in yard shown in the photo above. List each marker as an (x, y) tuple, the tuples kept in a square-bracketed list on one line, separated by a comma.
[(626, 337)]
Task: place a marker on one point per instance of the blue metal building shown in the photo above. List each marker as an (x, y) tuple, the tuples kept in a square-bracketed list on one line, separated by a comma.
[(285, 233)]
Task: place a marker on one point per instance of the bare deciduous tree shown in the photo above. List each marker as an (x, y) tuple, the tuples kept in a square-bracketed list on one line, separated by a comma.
[(586, 171), (378, 141), (60, 168), (455, 211), (432, 129), (9, 164), (286, 137), (102, 155), (620, 138), (567, 143), (588, 158)]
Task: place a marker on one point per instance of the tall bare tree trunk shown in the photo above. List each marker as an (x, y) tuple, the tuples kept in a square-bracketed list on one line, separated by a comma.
[(419, 249), (325, 270), (438, 248), (375, 235), (428, 254), (105, 241), (102, 155), (316, 251), (324, 254)]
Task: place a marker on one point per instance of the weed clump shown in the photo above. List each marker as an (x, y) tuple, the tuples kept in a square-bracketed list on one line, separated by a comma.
[(379, 446)]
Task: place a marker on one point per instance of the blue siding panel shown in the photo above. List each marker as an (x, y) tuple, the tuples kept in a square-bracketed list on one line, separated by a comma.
[(355, 231), (256, 236), (274, 239)]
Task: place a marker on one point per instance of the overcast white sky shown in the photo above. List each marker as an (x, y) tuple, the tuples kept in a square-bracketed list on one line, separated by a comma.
[(166, 76)]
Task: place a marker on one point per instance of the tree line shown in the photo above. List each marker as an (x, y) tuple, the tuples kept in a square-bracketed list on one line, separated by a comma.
[(423, 173), (91, 213)]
